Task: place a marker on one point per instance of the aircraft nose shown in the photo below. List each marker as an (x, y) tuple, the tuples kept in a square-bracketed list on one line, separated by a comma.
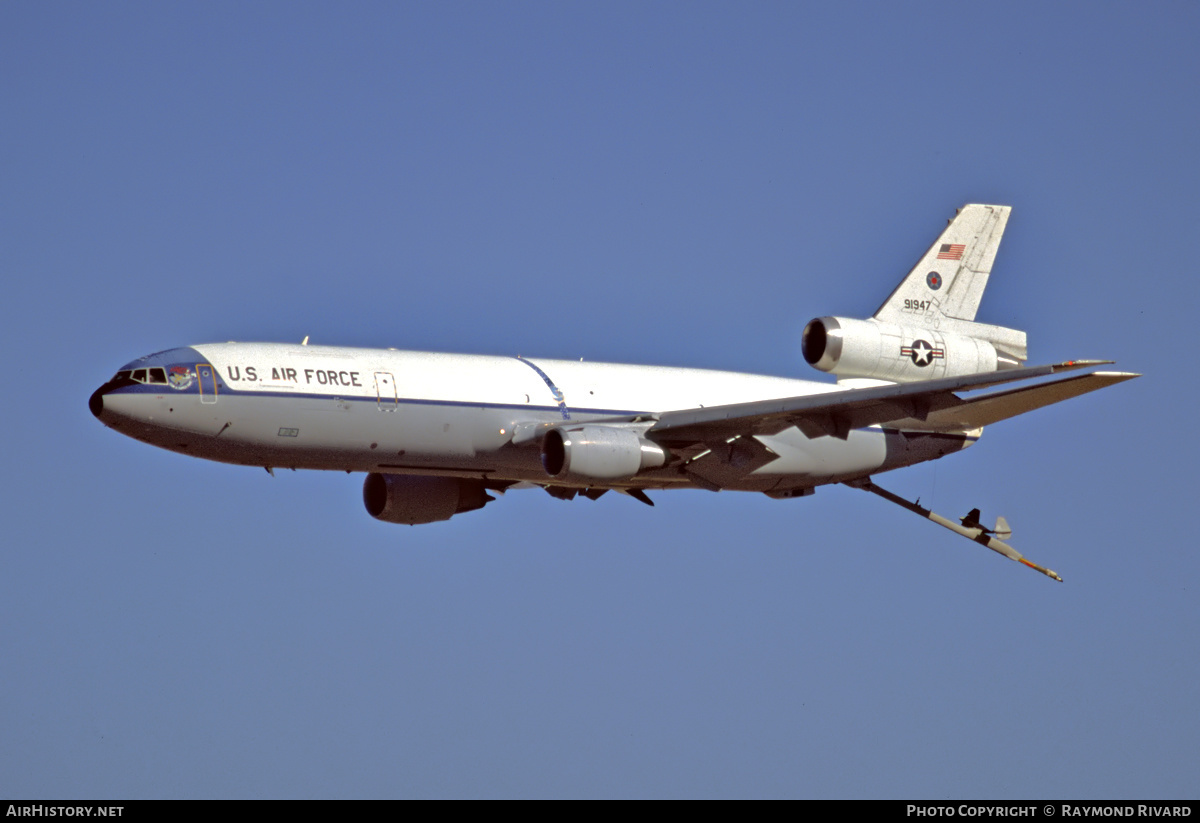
[(120, 380), (96, 401)]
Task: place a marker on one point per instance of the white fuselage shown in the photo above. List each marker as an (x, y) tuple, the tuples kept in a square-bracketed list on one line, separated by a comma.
[(401, 412)]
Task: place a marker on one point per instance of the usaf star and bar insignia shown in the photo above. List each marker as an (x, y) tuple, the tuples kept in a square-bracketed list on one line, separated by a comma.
[(922, 353)]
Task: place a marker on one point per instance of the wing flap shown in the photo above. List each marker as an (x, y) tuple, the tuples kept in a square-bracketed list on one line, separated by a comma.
[(728, 461)]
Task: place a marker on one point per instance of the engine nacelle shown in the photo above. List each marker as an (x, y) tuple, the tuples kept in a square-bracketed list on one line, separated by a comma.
[(413, 499), (900, 354), (586, 453)]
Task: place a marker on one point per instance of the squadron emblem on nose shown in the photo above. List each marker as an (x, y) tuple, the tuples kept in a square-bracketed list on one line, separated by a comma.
[(179, 377)]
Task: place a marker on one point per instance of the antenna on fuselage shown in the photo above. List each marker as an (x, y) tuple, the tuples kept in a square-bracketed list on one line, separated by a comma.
[(304, 342)]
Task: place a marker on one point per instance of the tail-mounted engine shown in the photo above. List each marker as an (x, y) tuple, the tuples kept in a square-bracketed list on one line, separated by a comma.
[(589, 453), (900, 354)]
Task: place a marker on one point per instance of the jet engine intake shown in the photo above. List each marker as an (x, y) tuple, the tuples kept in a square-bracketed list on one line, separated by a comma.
[(899, 354), (588, 453), (413, 499)]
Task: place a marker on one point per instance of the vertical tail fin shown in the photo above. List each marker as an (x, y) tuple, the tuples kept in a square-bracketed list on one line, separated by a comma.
[(950, 278)]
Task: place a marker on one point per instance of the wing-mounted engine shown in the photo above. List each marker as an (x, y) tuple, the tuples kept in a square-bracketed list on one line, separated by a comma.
[(904, 353), (412, 499), (585, 454)]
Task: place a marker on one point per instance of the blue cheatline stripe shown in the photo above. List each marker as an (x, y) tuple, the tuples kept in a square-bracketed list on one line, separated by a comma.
[(227, 391), (558, 395)]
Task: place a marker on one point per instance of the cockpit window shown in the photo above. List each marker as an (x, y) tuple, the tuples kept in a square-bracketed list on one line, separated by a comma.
[(154, 375)]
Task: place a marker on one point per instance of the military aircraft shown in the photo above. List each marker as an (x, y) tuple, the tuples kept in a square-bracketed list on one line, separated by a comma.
[(436, 433)]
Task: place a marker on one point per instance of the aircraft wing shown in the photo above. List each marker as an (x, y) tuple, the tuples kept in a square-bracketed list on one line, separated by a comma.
[(992, 408), (931, 405)]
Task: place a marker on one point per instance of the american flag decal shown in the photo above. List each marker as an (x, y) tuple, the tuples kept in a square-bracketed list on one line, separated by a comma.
[(951, 251)]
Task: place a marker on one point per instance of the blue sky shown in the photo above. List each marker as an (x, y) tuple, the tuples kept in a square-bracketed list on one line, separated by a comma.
[(682, 184)]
